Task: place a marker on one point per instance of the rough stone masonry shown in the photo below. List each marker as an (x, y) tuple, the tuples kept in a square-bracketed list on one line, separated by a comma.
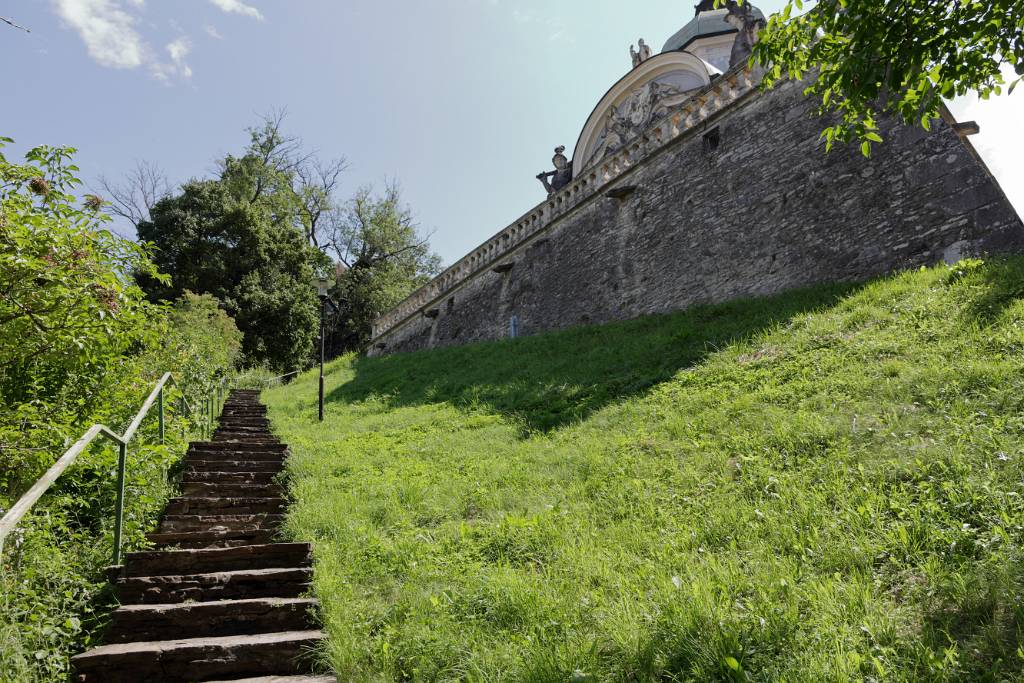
[(742, 203)]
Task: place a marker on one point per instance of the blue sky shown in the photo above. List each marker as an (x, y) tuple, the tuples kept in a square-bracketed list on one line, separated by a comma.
[(462, 101)]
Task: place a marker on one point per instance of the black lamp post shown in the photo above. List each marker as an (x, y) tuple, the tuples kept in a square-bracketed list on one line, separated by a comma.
[(323, 284)]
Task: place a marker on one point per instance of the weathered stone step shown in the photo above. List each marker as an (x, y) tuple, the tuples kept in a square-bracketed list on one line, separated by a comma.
[(288, 582), (219, 446), (228, 478), (252, 430), (242, 437), (194, 489), (236, 454), (177, 562), (205, 619), (212, 539), (233, 465), (194, 505), (198, 659), (207, 523)]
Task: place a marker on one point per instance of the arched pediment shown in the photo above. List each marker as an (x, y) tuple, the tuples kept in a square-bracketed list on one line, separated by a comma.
[(637, 100)]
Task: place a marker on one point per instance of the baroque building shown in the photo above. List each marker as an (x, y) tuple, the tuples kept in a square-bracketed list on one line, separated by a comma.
[(689, 184)]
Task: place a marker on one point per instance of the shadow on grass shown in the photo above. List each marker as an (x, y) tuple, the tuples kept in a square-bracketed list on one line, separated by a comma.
[(1001, 281), (550, 380), (983, 615)]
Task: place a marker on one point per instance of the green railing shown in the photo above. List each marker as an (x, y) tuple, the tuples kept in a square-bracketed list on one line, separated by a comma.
[(208, 407)]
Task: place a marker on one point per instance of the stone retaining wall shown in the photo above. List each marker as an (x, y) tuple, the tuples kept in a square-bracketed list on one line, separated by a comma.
[(730, 195)]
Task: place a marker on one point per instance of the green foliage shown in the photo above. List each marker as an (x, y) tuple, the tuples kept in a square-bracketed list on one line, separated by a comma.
[(899, 57), (240, 238), (819, 486), (385, 260), (68, 317), (79, 344), (202, 342), (258, 268)]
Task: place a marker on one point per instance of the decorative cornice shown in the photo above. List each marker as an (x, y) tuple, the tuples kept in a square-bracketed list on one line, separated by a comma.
[(681, 119)]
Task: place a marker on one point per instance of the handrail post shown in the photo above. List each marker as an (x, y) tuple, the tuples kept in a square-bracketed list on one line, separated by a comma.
[(122, 457), (160, 408)]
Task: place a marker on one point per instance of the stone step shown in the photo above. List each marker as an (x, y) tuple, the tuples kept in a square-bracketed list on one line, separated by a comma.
[(228, 478), (198, 659), (176, 562), (228, 505), (235, 454), (275, 582), (218, 446), (206, 619), (219, 522), (242, 437), (252, 430), (195, 489), (221, 538), (233, 466)]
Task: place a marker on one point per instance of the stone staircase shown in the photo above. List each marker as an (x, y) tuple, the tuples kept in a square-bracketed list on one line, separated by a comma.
[(219, 600)]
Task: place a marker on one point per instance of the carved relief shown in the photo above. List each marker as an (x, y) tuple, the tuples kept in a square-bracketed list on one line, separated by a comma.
[(644, 105)]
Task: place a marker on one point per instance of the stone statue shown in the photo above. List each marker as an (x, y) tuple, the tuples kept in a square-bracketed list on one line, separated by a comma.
[(645, 50), (747, 25), (561, 176), (640, 54)]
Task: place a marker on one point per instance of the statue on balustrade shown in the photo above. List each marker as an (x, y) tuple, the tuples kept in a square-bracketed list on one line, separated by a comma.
[(640, 54), (747, 25), (561, 176)]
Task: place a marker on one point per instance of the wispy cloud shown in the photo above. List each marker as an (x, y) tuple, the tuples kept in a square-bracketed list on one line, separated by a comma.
[(238, 7), (213, 32), (177, 50), (107, 30)]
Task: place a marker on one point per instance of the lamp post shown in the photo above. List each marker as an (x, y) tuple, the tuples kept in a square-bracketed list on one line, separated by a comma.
[(323, 285)]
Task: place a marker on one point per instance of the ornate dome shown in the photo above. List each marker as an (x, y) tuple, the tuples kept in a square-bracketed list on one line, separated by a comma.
[(707, 35)]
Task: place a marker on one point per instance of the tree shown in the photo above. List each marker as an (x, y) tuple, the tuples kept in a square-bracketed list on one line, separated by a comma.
[(251, 259), (384, 259), (896, 56), (135, 196), (276, 164)]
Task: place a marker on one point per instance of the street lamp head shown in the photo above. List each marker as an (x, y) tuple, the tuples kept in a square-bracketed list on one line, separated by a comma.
[(322, 282)]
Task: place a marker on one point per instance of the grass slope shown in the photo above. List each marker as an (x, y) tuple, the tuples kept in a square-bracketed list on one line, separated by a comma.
[(821, 486)]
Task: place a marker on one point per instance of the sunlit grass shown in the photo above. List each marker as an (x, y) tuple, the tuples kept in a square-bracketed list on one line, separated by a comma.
[(822, 486)]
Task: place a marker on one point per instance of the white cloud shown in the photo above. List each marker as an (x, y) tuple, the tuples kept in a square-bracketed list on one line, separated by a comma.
[(213, 32), (238, 7), (999, 141), (107, 30), (178, 50)]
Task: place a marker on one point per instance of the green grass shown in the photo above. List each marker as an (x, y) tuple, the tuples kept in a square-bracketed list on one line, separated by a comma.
[(821, 486)]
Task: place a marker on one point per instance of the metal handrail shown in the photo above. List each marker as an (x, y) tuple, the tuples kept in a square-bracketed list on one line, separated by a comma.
[(210, 404)]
